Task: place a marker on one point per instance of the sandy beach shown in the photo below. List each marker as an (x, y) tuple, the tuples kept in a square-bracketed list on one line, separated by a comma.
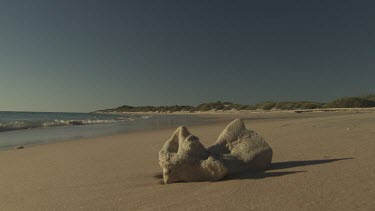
[(321, 162)]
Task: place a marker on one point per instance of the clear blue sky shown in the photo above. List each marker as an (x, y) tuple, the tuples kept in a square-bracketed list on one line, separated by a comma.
[(88, 55)]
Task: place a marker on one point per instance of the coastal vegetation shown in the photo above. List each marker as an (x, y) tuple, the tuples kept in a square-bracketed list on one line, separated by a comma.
[(353, 102), (346, 102)]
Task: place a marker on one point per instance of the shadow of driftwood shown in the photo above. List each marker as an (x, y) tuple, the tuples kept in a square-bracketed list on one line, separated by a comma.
[(291, 164), (274, 166), (281, 165), (259, 175)]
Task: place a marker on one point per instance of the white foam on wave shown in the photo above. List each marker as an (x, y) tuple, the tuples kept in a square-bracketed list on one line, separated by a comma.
[(19, 125)]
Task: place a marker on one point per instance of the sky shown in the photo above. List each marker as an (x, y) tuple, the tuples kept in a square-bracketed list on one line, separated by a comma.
[(80, 56)]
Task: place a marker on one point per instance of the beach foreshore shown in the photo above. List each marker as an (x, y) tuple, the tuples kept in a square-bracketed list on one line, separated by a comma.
[(322, 161)]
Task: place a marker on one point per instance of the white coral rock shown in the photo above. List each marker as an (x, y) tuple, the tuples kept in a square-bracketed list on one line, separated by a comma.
[(184, 158)]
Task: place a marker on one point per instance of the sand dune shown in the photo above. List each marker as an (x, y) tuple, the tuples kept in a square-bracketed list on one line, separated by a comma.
[(320, 163)]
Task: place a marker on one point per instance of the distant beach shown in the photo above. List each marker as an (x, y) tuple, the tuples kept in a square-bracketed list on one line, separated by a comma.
[(23, 129)]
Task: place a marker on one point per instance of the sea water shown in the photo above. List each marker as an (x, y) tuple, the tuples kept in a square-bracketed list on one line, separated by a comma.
[(31, 128)]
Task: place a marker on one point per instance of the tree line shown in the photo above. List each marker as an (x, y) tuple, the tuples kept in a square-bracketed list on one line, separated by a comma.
[(346, 102)]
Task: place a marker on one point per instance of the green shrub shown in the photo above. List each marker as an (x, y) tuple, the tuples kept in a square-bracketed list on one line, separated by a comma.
[(265, 105), (297, 105), (351, 102)]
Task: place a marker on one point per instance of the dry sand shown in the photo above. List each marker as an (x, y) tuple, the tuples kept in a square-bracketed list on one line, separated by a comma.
[(320, 163)]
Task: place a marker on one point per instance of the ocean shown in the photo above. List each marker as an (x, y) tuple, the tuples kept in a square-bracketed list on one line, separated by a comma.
[(32, 128)]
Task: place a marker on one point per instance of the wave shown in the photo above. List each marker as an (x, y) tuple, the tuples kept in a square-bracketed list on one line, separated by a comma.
[(21, 125)]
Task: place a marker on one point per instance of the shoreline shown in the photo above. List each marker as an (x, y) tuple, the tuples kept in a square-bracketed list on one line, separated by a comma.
[(215, 117)]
